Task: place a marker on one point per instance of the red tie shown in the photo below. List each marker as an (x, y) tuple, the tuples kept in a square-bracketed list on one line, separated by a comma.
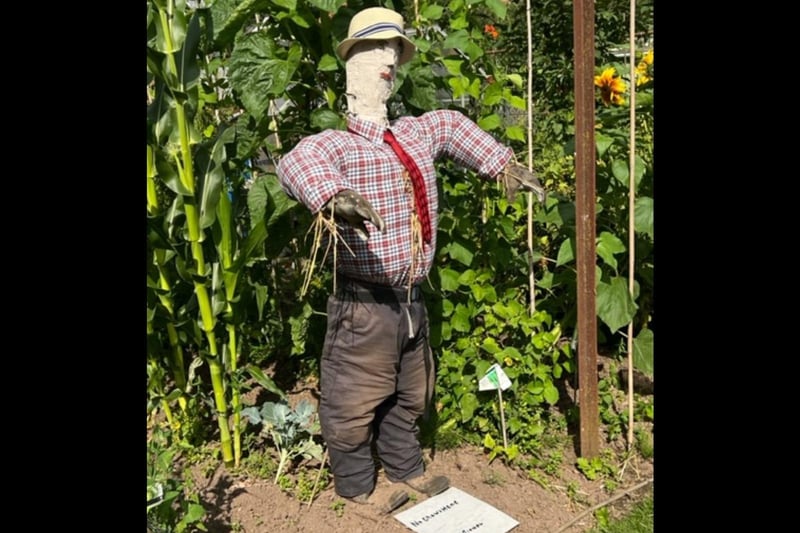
[(417, 181)]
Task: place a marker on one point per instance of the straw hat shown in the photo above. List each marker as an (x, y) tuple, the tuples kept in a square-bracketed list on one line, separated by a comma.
[(373, 24)]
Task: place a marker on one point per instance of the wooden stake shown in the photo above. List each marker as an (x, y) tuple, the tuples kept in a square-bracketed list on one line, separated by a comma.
[(319, 475), (502, 416)]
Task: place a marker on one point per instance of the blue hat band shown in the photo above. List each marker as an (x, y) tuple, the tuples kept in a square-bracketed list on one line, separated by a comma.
[(376, 28)]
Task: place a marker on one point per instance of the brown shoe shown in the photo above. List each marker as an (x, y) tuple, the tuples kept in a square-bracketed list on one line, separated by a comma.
[(384, 498), (428, 484)]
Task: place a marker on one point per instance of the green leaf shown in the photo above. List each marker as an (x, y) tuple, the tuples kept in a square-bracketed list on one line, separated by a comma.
[(460, 320), (619, 168), (331, 6), (550, 393), (448, 279), (516, 79), (469, 402), (484, 293), (459, 251), (228, 16), (489, 122), (474, 52), (516, 101), (252, 414), (258, 73), (566, 252), (327, 63), (265, 381), (420, 88), (493, 94), (609, 244), (490, 345), (177, 30), (210, 174), (602, 142), (432, 12), (498, 7), (324, 119), (194, 513), (643, 215), (515, 133), (458, 39), (186, 59), (615, 306), (453, 66), (643, 351), (467, 277)]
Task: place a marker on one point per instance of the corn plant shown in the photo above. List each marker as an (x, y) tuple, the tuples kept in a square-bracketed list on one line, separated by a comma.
[(199, 248)]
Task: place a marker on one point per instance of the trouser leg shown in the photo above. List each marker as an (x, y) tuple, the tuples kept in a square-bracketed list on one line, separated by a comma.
[(397, 436), (358, 372)]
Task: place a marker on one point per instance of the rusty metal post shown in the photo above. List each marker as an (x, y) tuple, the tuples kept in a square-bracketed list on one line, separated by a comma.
[(583, 33)]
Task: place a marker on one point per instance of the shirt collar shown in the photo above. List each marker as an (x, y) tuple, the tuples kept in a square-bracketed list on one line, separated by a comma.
[(365, 128)]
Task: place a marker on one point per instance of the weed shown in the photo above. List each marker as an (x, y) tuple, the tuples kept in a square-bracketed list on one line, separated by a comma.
[(338, 507), (449, 439), (171, 505), (538, 478), (573, 493), (259, 464), (305, 484), (598, 467), (644, 442), (638, 520), (602, 517), (610, 485), (643, 409), (552, 462), (491, 477), (285, 483)]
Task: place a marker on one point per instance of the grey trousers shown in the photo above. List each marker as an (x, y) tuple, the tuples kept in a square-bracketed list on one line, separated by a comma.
[(377, 379)]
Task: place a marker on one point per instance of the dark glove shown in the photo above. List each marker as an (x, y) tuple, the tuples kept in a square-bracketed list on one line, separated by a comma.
[(354, 209), (516, 177)]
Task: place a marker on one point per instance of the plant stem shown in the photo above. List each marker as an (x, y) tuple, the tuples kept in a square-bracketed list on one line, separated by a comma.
[(234, 354), (186, 173)]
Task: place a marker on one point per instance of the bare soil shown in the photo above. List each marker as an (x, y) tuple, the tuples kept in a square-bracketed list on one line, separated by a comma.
[(241, 503)]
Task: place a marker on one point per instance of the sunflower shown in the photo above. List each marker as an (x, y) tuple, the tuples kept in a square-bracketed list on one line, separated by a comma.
[(644, 70), (611, 87)]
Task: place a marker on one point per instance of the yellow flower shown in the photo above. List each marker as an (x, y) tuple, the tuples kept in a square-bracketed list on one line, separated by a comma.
[(611, 87), (644, 71)]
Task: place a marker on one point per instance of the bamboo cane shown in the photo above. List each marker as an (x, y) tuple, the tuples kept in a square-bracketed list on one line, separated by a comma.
[(631, 214), (502, 416), (531, 280), (319, 475)]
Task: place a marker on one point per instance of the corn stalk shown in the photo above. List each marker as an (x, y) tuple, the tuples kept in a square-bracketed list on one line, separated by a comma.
[(174, 67)]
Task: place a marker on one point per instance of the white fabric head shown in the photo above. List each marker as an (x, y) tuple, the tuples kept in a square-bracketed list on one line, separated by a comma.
[(371, 68)]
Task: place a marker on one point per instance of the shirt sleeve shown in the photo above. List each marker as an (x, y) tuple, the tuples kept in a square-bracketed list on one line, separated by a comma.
[(465, 143), (311, 172)]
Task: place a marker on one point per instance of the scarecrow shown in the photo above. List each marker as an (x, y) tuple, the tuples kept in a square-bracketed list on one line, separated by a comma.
[(377, 368)]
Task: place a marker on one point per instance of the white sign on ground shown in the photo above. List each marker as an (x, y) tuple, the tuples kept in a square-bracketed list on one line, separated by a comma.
[(455, 511)]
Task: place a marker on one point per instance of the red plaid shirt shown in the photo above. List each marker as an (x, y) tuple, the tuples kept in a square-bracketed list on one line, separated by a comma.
[(325, 163)]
